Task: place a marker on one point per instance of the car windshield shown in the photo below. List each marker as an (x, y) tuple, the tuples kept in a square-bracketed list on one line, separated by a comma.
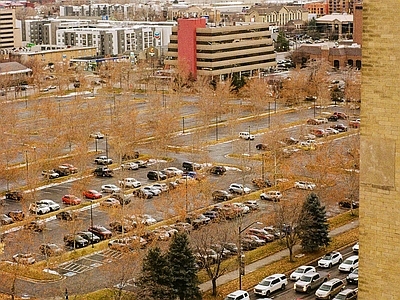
[(325, 287), (305, 278), (348, 262), (327, 257), (340, 297), (265, 282), (299, 270)]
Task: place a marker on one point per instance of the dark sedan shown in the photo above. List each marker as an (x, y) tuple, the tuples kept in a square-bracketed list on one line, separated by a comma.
[(102, 232)]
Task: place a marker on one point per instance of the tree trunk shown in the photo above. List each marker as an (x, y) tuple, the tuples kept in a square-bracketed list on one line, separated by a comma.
[(214, 286)]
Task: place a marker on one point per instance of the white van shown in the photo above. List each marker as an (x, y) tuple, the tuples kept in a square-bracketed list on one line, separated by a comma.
[(246, 135), (238, 295)]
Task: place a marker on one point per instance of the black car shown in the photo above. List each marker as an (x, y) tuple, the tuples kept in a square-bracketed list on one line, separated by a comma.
[(66, 215), (339, 127), (89, 236), (218, 170), (191, 166), (333, 118), (37, 225), (156, 175), (143, 194), (213, 215), (16, 196), (262, 147)]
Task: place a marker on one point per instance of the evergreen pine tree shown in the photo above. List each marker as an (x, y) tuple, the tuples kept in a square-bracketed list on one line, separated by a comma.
[(313, 227), (183, 268), (155, 279)]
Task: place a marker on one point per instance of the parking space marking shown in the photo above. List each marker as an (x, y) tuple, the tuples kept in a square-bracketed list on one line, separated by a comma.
[(76, 268)]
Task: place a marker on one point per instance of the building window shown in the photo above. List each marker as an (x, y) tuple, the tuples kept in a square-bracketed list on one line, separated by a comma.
[(336, 64)]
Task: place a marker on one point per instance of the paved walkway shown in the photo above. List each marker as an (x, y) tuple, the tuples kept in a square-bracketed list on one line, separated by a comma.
[(270, 259)]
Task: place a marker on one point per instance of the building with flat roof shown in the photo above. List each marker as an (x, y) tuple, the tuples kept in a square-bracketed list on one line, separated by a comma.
[(10, 35), (221, 51)]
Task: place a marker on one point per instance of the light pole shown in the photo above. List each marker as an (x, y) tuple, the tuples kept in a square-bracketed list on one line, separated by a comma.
[(240, 256), (216, 127), (91, 219), (249, 140), (183, 124), (107, 146)]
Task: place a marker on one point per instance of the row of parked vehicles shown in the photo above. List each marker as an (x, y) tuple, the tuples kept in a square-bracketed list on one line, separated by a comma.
[(307, 279)]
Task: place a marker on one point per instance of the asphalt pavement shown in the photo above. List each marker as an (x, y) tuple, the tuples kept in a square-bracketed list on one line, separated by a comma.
[(206, 286)]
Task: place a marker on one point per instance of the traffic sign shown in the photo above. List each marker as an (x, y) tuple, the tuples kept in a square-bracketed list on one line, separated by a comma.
[(157, 35)]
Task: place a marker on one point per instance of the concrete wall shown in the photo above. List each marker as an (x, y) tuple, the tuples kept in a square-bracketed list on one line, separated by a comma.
[(380, 153)]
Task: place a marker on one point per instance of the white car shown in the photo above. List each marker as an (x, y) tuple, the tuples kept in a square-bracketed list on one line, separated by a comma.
[(246, 135), (304, 185), (110, 188), (271, 284), (24, 258), (149, 188), (349, 264), (163, 187), (50, 174), (322, 120), (50, 203), (172, 171), (103, 160), (331, 131), (129, 183), (97, 135), (243, 207), (300, 271), (355, 248), (330, 259), (271, 196), (130, 166), (147, 220), (39, 209), (239, 189)]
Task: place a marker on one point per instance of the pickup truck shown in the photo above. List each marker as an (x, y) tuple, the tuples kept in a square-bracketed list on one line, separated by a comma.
[(129, 183), (310, 281), (103, 160), (103, 171)]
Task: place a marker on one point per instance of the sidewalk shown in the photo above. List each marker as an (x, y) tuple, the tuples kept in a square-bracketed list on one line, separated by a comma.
[(270, 259)]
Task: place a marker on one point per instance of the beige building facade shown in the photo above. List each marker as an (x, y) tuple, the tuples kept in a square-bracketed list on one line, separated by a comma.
[(380, 153)]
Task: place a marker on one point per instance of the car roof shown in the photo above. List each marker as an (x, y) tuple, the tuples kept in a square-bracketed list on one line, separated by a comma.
[(237, 293)]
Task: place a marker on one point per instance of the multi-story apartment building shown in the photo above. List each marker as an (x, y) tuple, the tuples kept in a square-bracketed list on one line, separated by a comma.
[(10, 35), (110, 37), (317, 9), (221, 51), (340, 6)]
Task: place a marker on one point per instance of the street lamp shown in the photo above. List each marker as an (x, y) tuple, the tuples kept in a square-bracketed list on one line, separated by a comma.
[(249, 140), (240, 255), (91, 219)]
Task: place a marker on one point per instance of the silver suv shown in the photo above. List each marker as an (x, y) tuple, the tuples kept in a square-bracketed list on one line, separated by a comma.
[(329, 289), (239, 189)]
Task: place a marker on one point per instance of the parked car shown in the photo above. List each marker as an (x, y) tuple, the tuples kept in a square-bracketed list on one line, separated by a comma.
[(329, 289), (246, 135), (39, 209), (347, 294), (144, 194), (262, 146), (349, 204), (130, 166), (271, 284), (100, 231), (275, 196), (129, 183), (182, 226), (92, 194), (66, 215), (103, 172), (71, 200), (352, 278), (24, 258), (341, 115), (300, 271), (313, 122), (349, 264), (155, 191), (97, 135), (75, 241), (36, 225), (191, 166), (355, 123), (339, 127), (130, 155), (89, 236), (103, 160), (221, 195), (156, 175), (218, 170), (198, 221), (238, 295), (110, 188), (252, 204), (213, 215), (122, 244), (110, 202), (355, 248), (304, 185), (333, 118), (239, 189), (50, 249), (14, 195), (50, 203), (16, 215), (172, 171), (330, 259), (331, 130), (261, 233), (5, 220), (50, 174), (71, 168), (141, 163)]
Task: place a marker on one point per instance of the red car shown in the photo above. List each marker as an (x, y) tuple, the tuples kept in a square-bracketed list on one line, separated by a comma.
[(71, 168), (71, 200), (92, 194)]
